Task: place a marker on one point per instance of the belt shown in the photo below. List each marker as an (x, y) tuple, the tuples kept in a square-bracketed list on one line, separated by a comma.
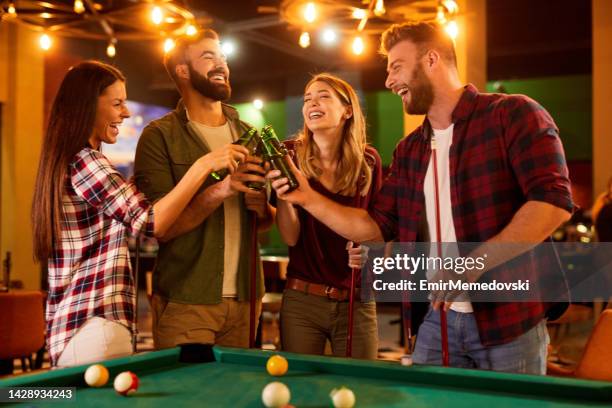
[(330, 292)]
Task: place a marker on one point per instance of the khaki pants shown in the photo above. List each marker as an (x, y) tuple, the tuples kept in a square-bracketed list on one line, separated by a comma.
[(224, 324), (307, 321)]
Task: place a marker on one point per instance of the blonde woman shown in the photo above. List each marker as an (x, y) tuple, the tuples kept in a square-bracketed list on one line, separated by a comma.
[(332, 153)]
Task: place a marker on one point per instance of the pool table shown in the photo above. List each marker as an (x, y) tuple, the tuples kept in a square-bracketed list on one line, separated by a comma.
[(236, 378)]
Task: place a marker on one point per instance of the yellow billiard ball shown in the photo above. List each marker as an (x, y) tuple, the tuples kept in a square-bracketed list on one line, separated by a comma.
[(96, 375), (277, 365)]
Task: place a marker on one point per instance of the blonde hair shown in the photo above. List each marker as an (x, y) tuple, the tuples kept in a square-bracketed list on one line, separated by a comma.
[(353, 172)]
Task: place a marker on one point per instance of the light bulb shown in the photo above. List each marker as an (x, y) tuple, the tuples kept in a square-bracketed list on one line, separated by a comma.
[(452, 29), (440, 17), (45, 42), (110, 50), (329, 36), (157, 15), (168, 45), (451, 6), (358, 46), (79, 7), (305, 40), (379, 8), (258, 104), (359, 14), (310, 12), (228, 48), (191, 30)]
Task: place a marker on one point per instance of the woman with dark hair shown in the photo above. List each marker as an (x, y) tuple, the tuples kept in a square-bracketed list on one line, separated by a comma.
[(333, 154), (83, 212)]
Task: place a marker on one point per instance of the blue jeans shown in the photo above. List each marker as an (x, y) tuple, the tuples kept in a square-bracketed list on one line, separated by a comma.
[(525, 354)]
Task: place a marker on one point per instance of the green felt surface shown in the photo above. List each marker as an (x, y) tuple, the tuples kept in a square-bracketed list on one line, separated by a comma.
[(237, 378)]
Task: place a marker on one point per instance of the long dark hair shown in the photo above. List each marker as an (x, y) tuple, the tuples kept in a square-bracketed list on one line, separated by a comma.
[(71, 123)]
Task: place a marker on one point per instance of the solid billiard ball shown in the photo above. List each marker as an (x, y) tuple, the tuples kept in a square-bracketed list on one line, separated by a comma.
[(342, 397), (277, 365), (126, 383), (96, 375), (406, 360), (275, 395)]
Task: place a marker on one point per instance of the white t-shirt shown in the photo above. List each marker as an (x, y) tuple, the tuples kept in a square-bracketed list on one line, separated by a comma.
[(444, 140), (215, 138)]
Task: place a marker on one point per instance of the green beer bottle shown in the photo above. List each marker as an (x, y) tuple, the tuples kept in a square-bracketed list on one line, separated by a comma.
[(276, 153), (259, 152), (249, 139)]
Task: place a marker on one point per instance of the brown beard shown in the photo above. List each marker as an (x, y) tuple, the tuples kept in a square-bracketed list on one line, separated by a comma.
[(421, 93), (201, 83)]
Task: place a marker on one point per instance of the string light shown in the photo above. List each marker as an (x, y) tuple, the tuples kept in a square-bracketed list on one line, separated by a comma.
[(359, 14), (45, 41), (191, 30), (305, 40), (79, 7), (379, 8), (157, 16), (228, 48), (310, 12), (168, 45), (440, 17), (329, 36), (110, 50), (452, 29), (358, 46), (258, 104), (451, 6)]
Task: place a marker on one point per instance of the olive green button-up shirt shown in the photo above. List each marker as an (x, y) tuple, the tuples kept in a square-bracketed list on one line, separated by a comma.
[(189, 268)]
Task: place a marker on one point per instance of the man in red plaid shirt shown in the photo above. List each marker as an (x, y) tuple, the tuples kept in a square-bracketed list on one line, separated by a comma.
[(501, 176)]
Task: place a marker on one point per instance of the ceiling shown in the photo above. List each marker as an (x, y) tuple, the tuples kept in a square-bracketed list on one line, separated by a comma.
[(525, 39)]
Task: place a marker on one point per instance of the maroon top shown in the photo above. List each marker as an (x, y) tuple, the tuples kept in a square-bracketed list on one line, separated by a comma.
[(320, 255)]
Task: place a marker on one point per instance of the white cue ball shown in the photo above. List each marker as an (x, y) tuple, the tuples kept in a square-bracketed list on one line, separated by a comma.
[(342, 398), (275, 395)]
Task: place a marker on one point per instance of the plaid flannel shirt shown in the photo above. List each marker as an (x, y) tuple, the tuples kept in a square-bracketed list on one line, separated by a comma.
[(89, 271), (505, 151)]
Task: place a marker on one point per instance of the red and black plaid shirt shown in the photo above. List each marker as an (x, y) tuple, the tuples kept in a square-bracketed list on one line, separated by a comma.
[(506, 151), (90, 272)]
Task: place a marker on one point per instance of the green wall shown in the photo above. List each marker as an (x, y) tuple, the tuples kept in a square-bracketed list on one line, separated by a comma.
[(384, 116), (568, 100)]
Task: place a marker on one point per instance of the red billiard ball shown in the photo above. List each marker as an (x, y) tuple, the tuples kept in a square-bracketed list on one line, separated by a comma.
[(126, 383)]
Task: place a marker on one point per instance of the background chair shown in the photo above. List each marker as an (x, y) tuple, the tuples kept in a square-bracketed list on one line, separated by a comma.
[(22, 326), (596, 361)]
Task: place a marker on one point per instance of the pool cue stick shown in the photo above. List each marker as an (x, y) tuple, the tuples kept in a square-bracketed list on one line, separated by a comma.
[(136, 270), (349, 336), (443, 324), (253, 287)]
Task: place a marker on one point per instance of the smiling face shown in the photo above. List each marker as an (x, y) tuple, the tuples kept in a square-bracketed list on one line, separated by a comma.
[(323, 109), (406, 78), (110, 112), (208, 70)]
